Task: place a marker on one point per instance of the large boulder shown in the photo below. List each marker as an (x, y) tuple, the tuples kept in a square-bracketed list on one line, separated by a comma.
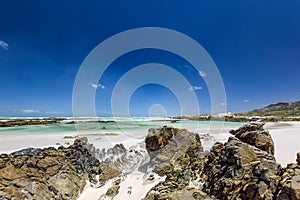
[(184, 164), (254, 134), (164, 145), (238, 170)]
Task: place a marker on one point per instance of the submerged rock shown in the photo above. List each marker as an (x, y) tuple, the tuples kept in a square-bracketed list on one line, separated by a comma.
[(22, 122)]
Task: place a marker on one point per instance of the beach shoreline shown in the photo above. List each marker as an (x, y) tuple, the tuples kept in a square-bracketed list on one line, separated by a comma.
[(135, 185), (284, 135)]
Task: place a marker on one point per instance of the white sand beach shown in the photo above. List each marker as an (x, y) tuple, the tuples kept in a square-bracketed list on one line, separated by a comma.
[(286, 137)]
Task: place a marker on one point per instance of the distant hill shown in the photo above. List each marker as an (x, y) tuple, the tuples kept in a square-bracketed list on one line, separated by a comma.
[(278, 109)]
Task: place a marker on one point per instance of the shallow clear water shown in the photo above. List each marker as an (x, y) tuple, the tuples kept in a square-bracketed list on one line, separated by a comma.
[(137, 126)]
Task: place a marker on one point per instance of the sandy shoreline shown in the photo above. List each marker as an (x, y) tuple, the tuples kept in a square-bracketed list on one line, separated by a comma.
[(286, 136)]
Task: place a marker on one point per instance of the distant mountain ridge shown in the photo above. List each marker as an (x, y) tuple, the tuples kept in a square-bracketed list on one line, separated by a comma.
[(278, 109)]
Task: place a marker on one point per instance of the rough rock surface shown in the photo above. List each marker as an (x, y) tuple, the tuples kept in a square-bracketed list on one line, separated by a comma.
[(237, 170), (47, 173), (289, 187), (243, 168), (166, 144), (254, 134)]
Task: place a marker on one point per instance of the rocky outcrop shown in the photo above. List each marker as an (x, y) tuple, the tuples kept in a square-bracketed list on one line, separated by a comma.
[(48, 173), (243, 168), (237, 170), (255, 135), (164, 145), (181, 155), (22, 122)]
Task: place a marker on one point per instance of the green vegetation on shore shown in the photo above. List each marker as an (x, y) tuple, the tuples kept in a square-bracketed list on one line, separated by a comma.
[(278, 110)]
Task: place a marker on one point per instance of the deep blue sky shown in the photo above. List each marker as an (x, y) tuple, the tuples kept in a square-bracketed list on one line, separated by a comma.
[(255, 44)]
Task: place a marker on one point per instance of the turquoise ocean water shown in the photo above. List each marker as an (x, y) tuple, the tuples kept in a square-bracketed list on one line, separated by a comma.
[(118, 125)]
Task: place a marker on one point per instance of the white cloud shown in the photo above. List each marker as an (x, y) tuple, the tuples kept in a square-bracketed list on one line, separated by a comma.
[(246, 101), (222, 104), (202, 74), (30, 111), (97, 86), (193, 88), (4, 45), (55, 112)]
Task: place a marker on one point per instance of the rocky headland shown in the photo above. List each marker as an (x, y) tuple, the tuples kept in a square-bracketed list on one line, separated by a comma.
[(239, 118)]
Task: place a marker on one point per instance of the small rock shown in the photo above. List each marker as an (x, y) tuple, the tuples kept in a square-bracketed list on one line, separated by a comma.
[(81, 141), (113, 190)]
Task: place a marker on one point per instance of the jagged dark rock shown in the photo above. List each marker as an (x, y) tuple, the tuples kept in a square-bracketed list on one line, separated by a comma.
[(243, 168), (254, 134), (47, 173), (289, 187), (237, 170), (182, 161), (166, 144)]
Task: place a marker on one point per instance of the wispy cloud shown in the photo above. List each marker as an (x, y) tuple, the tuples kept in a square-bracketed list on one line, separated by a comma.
[(55, 113), (222, 104), (97, 86), (4, 45), (193, 88), (202, 74), (30, 111), (298, 92), (246, 101)]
